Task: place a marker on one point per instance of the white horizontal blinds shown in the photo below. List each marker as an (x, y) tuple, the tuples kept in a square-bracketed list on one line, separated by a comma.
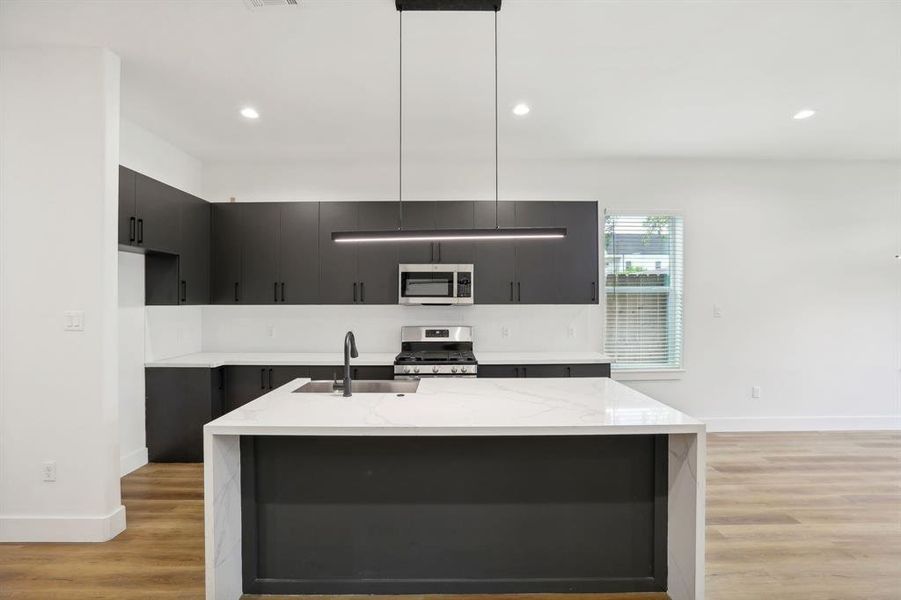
[(644, 278)]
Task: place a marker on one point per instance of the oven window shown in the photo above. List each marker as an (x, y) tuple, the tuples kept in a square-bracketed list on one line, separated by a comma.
[(427, 285)]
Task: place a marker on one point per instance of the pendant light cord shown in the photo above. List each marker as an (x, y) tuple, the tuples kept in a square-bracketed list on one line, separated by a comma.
[(496, 170), (400, 122)]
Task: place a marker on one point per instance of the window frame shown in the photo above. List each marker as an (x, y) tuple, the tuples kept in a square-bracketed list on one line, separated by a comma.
[(649, 373)]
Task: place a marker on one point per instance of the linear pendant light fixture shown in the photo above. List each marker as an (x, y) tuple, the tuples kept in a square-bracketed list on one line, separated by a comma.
[(440, 235)]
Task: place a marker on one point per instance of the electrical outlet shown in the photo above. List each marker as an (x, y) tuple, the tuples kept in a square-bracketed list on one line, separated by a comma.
[(505, 332), (48, 470), (755, 391), (270, 331), (571, 332), (717, 311), (73, 320)]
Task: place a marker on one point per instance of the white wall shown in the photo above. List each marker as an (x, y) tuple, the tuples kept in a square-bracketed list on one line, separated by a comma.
[(155, 157), (147, 153), (59, 151), (377, 328), (799, 255), (132, 439)]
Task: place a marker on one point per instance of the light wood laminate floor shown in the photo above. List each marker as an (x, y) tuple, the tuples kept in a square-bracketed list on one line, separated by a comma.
[(800, 516)]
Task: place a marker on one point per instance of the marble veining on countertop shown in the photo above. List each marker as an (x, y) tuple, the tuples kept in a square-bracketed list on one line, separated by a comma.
[(454, 406), (213, 360)]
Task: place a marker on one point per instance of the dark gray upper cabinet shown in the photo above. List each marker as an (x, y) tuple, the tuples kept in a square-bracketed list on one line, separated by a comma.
[(127, 218), (455, 215), (227, 236), (260, 243), (417, 215), (577, 254), (338, 282), (536, 276), (194, 253), (495, 261), (377, 263), (299, 253), (157, 209)]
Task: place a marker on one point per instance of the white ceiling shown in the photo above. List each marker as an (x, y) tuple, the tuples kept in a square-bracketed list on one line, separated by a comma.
[(604, 78)]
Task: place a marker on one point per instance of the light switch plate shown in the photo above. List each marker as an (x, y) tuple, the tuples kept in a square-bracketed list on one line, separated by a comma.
[(73, 320)]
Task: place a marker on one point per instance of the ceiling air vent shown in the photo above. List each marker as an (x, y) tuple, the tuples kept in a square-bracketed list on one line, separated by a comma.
[(259, 4)]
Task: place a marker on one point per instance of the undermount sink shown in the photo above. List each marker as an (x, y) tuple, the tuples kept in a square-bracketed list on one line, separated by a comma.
[(362, 386)]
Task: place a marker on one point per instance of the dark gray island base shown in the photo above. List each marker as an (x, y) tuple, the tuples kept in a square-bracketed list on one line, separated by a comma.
[(454, 514)]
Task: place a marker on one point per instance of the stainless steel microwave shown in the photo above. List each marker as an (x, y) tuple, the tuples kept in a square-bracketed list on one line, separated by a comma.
[(435, 284)]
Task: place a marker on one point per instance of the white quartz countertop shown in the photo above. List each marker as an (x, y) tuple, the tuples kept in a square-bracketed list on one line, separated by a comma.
[(219, 359), (459, 406)]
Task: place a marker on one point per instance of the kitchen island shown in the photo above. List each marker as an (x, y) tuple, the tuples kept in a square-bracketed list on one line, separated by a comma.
[(466, 485)]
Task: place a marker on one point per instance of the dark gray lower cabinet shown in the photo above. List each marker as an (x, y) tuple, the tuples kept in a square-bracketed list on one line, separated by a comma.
[(179, 403), (551, 370), (454, 514)]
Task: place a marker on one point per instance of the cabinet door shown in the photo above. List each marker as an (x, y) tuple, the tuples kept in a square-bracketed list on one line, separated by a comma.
[(373, 372), (157, 208), (577, 254), (298, 254), (338, 282), (194, 254), (536, 275), (418, 215), (591, 370), (127, 218), (243, 384), (279, 376), (326, 373), (259, 272), (179, 403), (226, 253), (455, 215), (493, 371), (545, 370), (495, 260), (377, 263)]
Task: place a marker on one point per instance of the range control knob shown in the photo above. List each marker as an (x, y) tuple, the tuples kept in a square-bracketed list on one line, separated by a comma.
[(406, 369), (453, 369), (416, 369), (463, 369), (435, 369)]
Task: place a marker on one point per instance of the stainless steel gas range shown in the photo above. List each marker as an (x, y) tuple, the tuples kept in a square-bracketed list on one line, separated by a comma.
[(435, 352)]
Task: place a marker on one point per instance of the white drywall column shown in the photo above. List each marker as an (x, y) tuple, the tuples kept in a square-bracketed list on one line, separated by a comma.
[(59, 151)]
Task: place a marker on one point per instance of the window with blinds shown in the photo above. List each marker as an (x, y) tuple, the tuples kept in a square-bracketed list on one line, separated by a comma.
[(643, 273)]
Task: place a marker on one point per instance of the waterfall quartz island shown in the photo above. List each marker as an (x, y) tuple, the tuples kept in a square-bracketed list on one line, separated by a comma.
[(465, 486)]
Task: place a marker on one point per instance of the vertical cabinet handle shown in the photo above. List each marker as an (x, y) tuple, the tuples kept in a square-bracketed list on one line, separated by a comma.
[(511, 291), (525, 371), (516, 371), (439, 251), (270, 379), (140, 231), (362, 292), (236, 291), (184, 291), (569, 371), (355, 291), (519, 291), (283, 291), (131, 229), (262, 379), (275, 291), (594, 291)]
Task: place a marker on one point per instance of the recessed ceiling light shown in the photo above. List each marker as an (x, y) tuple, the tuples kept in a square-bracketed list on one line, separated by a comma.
[(248, 112), (804, 113), (521, 109)]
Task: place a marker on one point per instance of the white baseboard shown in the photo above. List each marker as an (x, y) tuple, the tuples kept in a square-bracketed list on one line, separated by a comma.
[(131, 461), (63, 529), (870, 423)]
